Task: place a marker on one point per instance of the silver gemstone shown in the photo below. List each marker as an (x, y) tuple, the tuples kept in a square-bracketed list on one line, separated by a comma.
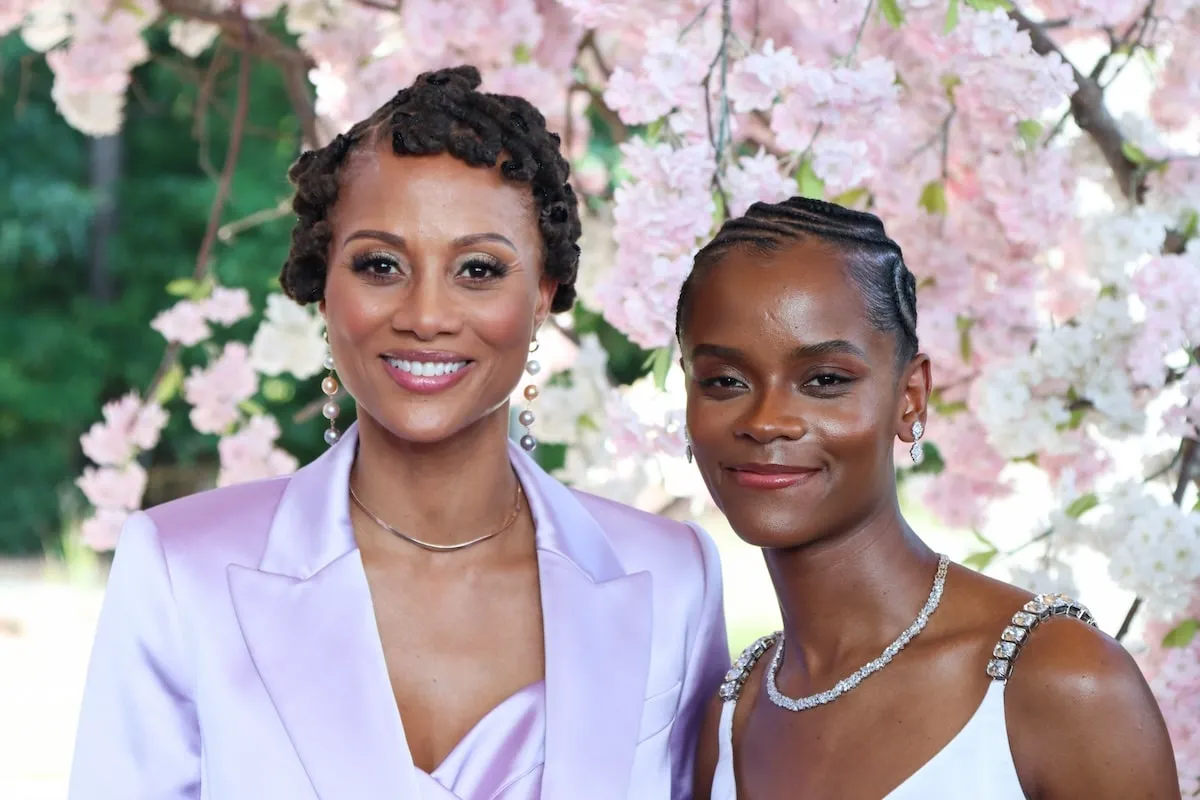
[(918, 430), (1014, 634), (1024, 619), (999, 668), (1036, 607), (1004, 649)]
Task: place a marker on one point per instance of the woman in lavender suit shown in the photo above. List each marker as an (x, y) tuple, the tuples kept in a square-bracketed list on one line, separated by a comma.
[(421, 612)]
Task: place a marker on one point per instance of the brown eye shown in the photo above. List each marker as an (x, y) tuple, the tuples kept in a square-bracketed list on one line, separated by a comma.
[(375, 264), (478, 268)]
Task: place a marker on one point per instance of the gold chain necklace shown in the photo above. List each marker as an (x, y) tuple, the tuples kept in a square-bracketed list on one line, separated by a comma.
[(442, 548)]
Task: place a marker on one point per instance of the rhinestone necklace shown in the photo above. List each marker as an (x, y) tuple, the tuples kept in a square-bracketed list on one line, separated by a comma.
[(442, 548), (848, 683)]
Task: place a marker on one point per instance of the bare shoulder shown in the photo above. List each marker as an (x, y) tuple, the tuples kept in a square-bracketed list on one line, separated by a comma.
[(1082, 720)]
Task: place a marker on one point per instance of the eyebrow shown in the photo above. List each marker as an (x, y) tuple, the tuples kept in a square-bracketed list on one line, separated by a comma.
[(397, 241), (807, 351)]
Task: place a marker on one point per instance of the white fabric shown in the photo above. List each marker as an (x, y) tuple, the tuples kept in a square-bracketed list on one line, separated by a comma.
[(977, 763)]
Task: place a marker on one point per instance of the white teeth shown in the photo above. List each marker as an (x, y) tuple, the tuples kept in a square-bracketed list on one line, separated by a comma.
[(427, 369)]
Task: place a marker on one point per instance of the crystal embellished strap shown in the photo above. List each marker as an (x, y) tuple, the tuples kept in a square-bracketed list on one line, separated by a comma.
[(1034, 613), (744, 665)]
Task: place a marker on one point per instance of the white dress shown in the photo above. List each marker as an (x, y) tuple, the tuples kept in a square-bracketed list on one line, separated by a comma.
[(976, 764)]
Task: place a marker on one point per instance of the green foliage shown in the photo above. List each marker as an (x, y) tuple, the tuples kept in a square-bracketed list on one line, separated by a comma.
[(810, 184), (1182, 634), (69, 346), (892, 12)]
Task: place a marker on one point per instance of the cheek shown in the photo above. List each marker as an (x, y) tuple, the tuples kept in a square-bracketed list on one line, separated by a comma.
[(505, 319), (354, 312)]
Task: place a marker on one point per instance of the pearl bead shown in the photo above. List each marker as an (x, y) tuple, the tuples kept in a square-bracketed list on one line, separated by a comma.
[(533, 366), (332, 435), (531, 392), (331, 410), (329, 361), (525, 418), (329, 386), (528, 443)]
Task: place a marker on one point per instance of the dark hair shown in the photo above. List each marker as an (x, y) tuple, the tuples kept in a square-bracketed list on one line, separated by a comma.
[(441, 113), (874, 262)]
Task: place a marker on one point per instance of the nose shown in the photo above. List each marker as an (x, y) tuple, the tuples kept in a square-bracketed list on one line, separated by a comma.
[(772, 415), (429, 309)]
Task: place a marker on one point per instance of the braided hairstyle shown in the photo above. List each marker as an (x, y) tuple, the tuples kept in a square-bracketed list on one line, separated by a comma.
[(441, 113), (874, 262)]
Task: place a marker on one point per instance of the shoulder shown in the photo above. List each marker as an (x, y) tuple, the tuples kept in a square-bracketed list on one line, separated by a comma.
[(228, 520), (644, 536), (1080, 714)]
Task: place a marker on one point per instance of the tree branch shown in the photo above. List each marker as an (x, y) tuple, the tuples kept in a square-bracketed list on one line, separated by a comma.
[(204, 256), (1090, 113)]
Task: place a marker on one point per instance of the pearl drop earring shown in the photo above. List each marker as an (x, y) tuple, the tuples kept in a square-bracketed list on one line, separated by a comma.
[(526, 418), (329, 386)]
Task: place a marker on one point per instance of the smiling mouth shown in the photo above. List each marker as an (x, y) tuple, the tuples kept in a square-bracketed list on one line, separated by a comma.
[(428, 373), (426, 369)]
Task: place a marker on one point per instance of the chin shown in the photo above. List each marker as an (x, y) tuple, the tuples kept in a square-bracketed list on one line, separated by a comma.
[(761, 528)]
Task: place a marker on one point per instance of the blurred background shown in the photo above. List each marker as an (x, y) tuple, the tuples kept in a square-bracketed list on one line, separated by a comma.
[(144, 217)]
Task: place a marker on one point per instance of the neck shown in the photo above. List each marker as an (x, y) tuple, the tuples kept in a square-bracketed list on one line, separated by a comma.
[(846, 597), (444, 492)]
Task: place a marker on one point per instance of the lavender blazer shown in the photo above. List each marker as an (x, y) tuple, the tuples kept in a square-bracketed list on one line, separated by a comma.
[(237, 656)]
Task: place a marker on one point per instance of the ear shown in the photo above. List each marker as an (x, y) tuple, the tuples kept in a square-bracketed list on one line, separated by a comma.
[(547, 287), (916, 383), (321, 307)]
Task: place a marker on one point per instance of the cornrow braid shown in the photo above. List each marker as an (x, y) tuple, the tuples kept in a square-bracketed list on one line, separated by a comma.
[(441, 113), (874, 262)]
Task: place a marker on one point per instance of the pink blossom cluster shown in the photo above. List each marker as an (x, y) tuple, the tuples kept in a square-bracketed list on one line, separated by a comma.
[(115, 486), (187, 322), (217, 391), (92, 47), (250, 454), (1174, 675), (660, 217)]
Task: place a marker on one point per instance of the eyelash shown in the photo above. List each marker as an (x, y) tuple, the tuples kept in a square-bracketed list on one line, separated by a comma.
[(833, 381), (367, 262)]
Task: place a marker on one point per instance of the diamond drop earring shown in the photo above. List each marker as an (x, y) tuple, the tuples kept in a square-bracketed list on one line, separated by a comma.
[(917, 451), (533, 367), (688, 450), (329, 385)]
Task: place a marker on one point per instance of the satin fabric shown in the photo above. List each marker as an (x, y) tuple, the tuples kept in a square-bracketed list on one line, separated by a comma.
[(237, 655)]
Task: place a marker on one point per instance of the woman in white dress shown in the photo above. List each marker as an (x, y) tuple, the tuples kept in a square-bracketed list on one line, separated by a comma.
[(896, 674)]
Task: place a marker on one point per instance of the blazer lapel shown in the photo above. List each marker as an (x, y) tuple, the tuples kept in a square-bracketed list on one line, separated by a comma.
[(597, 622), (309, 625)]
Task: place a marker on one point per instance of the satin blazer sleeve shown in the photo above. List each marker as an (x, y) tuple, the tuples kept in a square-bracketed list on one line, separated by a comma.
[(707, 663), (138, 736)]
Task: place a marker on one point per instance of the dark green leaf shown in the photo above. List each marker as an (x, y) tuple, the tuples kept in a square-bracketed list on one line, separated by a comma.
[(1030, 131), (810, 185), (951, 17), (1134, 153), (1081, 505), (933, 197), (1182, 634), (892, 12)]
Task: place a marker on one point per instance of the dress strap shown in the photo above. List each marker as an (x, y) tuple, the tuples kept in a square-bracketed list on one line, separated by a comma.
[(1034, 613), (731, 686)]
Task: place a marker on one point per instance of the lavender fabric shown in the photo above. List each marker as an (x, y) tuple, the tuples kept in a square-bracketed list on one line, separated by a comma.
[(237, 656)]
